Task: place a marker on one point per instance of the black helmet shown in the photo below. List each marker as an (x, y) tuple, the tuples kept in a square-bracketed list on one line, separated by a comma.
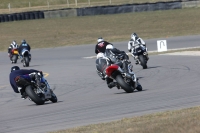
[(23, 41), (14, 68)]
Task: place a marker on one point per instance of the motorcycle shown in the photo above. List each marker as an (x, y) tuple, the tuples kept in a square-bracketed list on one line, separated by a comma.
[(123, 74), (14, 55), (140, 55), (40, 95), (26, 57)]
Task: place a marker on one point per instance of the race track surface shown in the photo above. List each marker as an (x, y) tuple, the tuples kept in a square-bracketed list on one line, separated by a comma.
[(170, 82)]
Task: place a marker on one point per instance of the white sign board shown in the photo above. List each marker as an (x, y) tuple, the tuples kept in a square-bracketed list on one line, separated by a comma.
[(162, 45)]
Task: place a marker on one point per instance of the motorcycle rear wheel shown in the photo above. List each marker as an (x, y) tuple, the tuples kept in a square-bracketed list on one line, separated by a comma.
[(123, 84), (14, 58), (33, 96), (26, 62)]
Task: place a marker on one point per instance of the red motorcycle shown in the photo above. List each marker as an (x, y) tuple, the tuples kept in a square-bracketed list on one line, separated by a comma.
[(124, 76), (14, 55)]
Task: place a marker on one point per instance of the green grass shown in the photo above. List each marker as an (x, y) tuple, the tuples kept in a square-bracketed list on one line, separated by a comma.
[(179, 121), (85, 30)]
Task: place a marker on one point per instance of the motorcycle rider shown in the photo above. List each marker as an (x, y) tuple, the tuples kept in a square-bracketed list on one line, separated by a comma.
[(19, 78), (101, 64), (101, 45), (135, 39), (12, 46), (24, 45), (105, 60)]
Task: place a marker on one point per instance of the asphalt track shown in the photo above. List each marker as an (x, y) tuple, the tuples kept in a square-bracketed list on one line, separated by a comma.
[(170, 82)]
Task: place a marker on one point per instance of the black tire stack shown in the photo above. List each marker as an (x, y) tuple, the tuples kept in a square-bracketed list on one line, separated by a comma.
[(21, 16)]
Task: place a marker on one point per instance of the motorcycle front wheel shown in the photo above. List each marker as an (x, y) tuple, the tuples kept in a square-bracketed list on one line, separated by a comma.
[(143, 61), (123, 84), (53, 98), (33, 96)]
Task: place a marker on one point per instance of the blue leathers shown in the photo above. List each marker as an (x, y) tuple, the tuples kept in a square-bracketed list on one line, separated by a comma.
[(23, 73)]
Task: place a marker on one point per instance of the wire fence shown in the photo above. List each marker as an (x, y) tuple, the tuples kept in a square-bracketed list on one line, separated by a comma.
[(32, 5)]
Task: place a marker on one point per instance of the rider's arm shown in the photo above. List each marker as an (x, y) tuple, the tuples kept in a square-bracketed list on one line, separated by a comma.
[(96, 51), (130, 46)]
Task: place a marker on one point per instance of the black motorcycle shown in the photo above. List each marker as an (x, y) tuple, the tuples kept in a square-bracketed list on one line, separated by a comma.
[(26, 57), (41, 94), (140, 55)]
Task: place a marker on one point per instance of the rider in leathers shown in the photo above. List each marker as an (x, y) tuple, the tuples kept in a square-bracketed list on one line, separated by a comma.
[(12, 46), (20, 78), (104, 60), (135, 39), (101, 45), (24, 45)]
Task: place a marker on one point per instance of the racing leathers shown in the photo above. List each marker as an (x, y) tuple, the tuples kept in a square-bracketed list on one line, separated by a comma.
[(19, 79), (131, 47), (103, 63), (24, 46), (11, 47)]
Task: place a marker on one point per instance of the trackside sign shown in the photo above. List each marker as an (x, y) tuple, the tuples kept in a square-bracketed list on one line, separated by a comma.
[(161, 45)]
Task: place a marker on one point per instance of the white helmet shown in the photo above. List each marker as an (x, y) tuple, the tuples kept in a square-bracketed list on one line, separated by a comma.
[(100, 39), (134, 36), (100, 55), (14, 42), (109, 46)]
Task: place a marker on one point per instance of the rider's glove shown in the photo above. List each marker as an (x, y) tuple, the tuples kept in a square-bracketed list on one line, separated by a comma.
[(9, 54)]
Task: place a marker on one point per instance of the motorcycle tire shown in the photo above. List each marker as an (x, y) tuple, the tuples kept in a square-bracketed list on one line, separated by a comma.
[(53, 98), (26, 62), (33, 96), (14, 58), (139, 88), (143, 62), (123, 84)]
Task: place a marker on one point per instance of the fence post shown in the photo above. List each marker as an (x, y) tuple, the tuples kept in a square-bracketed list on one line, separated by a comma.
[(48, 4), (76, 2), (29, 4), (110, 1), (89, 2), (9, 6), (67, 3)]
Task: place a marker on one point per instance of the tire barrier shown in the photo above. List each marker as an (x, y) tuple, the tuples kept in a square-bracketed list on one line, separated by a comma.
[(36, 14), (41, 15), (6, 18), (27, 16), (21, 16), (10, 17), (32, 16)]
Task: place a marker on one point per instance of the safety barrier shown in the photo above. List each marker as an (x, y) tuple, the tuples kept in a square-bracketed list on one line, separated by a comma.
[(99, 10), (21, 16)]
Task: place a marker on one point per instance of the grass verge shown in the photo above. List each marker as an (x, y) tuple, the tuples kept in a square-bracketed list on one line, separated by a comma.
[(85, 30), (179, 121)]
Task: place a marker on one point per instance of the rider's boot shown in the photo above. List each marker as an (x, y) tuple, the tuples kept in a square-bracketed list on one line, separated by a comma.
[(112, 84), (23, 93)]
